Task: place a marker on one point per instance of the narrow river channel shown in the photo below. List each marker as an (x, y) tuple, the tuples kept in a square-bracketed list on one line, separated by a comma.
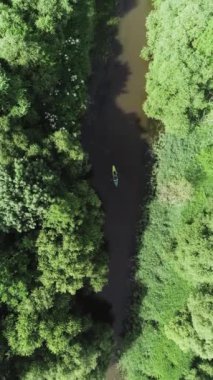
[(118, 134)]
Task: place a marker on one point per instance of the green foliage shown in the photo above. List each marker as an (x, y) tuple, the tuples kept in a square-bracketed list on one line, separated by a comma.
[(25, 193), (203, 371), (175, 254), (50, 219), (15, 47), (68, 242), (152, 355), (179, 79), (14, 272), (192, 329), (79, 362), (26, 331), (56, 338)]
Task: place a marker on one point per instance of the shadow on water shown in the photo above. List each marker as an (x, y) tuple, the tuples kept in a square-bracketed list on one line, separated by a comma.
[(112, 135), (126, 6), (98, 309)]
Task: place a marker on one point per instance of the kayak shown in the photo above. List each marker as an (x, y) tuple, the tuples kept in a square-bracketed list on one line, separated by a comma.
[(115, 175)]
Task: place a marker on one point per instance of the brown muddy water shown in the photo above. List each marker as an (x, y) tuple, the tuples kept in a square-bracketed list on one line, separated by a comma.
[(117, 133)]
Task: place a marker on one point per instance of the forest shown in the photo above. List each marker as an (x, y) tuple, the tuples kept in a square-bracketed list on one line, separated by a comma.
[(53, 256), (172, 336), (51, 239)]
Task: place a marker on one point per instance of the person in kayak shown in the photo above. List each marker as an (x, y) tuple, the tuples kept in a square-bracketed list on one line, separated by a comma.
[(115, 175)]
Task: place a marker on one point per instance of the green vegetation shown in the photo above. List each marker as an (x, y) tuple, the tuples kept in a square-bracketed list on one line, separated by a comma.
[(50, 219), (175, 256), (51, 244)]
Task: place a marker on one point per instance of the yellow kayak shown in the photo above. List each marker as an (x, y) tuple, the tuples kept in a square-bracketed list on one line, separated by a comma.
[(115, 175)]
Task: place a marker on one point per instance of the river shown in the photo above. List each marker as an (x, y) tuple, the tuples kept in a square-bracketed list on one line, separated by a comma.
[(118, 133)]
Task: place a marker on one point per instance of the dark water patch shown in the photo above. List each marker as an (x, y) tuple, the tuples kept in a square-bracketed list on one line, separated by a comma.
[(117, 132), (112, 135), (91, 304), (126, 6)]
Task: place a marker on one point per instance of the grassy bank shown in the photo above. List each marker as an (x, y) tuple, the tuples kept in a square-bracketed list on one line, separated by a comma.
[(174, 339)]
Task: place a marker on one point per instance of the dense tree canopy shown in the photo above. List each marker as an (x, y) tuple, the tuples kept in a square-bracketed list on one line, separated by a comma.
[(175, 256), (50, 218)]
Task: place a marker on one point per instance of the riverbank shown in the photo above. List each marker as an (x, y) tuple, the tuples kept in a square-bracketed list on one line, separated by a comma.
[(172, 335)]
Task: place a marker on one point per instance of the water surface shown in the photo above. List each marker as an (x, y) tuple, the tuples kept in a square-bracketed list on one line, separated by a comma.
[(117, 133)]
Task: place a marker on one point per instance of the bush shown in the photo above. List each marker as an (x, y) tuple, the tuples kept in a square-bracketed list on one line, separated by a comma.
[(174, 258)]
